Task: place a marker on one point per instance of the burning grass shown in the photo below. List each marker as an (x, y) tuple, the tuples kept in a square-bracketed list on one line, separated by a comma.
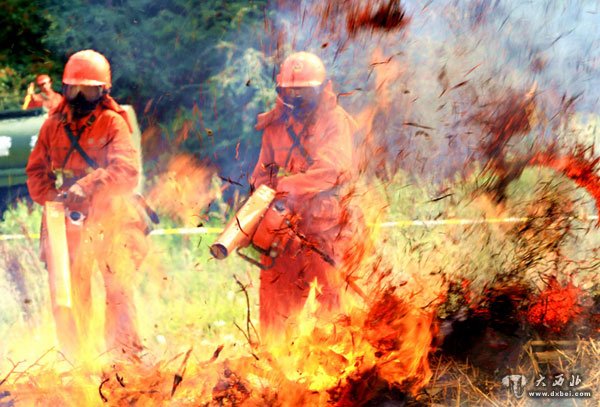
[(451, 308), (447, 315)]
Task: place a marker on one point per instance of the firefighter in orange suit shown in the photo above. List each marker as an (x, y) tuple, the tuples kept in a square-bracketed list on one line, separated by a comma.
[(306, 156), (96, 179), (47, 98)]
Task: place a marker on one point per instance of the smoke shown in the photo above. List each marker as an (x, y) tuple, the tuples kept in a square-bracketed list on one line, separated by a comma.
[(417, 77), (414, 74)]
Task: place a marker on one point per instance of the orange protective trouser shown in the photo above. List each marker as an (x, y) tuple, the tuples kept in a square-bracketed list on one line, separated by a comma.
[(285, 287), (117, 257)]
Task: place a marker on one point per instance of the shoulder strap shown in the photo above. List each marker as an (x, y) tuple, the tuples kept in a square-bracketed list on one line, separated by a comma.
[(297, 144), (74, 139)]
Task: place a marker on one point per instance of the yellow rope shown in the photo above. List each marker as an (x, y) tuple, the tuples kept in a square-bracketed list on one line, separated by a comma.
[(393, 224)]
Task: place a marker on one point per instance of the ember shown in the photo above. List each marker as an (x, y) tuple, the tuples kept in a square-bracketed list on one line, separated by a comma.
[(230, 389), (574, 165), (383, 322), (556, 307)]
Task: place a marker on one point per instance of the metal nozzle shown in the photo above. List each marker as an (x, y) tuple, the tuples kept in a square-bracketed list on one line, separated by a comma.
[(76, 217), (240, 229), (219, 251)]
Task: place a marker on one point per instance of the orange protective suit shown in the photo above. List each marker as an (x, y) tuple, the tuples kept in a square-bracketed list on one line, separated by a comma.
[(309, 178), (49, 100), (112, 236)]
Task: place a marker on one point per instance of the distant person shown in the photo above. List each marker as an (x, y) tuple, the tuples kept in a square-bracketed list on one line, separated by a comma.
[(46, 98), (85, 157)]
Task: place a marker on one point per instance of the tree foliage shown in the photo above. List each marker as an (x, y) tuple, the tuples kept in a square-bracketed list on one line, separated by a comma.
[(161, 51), (192, 69), (23, 26), (225, 120)]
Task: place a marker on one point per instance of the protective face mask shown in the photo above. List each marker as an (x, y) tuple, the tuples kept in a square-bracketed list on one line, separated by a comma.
[(81, 107), (301, 107)]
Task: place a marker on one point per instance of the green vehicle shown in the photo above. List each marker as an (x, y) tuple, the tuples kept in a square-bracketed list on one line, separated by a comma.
[(19, 130)]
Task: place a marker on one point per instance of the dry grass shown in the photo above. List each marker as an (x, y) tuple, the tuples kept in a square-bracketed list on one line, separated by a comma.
[(457, 383), (190, 301)]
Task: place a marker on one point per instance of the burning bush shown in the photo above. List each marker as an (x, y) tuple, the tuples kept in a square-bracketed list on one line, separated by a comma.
[(556, 307)]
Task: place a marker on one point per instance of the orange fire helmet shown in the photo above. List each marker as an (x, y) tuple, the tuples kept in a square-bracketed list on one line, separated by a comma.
[(42, 79), (87, 67), (301, 69)]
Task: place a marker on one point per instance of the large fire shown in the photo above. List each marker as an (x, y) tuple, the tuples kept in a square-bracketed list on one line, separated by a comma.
[(472, 290)]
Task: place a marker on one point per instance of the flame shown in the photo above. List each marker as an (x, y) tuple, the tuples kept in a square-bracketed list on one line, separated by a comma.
[(387, 341), (183, 191), (83, 339), (390, 84), (382, 335)]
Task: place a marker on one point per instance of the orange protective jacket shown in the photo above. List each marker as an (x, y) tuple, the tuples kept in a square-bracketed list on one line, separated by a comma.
[(107, 141), (49, 101), (308, 180), (113, 229)]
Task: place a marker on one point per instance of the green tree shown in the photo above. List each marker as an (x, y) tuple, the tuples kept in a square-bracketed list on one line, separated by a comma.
[(161, 52), (222, 128), (191, 68), (195, 70), (23, 26)]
